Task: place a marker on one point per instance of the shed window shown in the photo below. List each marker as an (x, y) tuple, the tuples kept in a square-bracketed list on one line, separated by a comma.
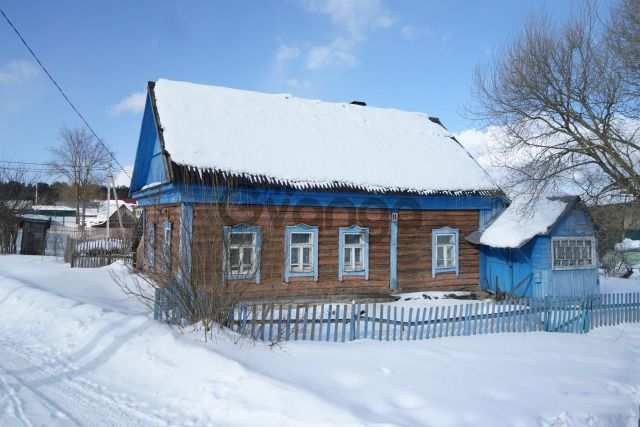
[(444, 247), (301, 243), (354, 251), (242, 252), (573, 252)]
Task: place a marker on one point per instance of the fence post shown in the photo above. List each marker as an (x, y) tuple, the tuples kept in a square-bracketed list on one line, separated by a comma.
[(366, 318), (352, 327), (328, 332), (336, 323)]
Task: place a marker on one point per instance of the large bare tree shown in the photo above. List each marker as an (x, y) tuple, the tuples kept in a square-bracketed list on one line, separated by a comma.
[(84, 162), (566, 98)]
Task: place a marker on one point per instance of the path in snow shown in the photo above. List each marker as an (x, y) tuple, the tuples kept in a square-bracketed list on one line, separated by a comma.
[(37, 388)]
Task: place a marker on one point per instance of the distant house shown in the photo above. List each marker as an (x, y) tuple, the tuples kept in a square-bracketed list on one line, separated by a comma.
[(108, 210), (59, 214), (282, 197), (544, 249)]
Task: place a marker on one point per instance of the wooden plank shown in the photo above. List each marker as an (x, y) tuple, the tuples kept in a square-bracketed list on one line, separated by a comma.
[(304, 323), (447, 321), (328, 322), (380, 324), (366, 320), (395, 321), (337, 323), (344, 321), (388, 320)]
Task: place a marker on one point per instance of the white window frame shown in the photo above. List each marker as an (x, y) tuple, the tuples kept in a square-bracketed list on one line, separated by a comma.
[(244, 274), (289, 271), (455, 267), (364, 252), (594, 253)]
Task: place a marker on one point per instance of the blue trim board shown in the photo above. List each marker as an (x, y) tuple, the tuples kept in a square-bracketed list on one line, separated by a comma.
[(186, 233), (393, 252), (445, 231), (342, 232), (172, 193), (300, 228), (257, 250), (166, 247)]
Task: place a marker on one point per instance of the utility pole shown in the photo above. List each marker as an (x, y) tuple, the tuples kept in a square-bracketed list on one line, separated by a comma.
[(108, 209)]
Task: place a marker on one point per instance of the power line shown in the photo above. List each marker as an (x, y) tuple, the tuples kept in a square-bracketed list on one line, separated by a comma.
[(62, 92), (30, 165)]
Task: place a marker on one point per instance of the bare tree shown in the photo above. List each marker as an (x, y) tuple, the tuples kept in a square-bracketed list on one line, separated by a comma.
[(14, 200), (567, 101), (185, 286), (84, 162)]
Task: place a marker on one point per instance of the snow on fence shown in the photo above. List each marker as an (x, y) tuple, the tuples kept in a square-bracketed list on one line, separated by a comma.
[(90, 253), (388, 322)]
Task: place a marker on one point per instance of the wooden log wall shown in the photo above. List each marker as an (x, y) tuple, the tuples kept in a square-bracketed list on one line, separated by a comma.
[(414, 249)]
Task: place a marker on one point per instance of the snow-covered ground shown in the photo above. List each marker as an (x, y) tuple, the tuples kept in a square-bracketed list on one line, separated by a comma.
[(75, 351)]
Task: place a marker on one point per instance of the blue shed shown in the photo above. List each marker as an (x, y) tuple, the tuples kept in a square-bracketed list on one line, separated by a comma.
[(544, 248)]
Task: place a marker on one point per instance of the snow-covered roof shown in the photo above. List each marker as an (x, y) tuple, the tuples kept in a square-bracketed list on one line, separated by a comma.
[(522, 221), (52, 208), (108, 209), (628, 245), (310, 143)]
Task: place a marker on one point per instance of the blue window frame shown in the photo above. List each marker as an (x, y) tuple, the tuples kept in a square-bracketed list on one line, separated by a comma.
[(241, 252), (353, 253), (150, 245), (301, 251), (166, 247), (444, 251)]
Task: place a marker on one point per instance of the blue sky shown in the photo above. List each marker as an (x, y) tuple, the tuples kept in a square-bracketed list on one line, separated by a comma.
[(412, 55)]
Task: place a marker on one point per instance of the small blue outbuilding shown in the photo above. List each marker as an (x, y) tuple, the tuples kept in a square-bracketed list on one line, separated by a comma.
[(538, 249)]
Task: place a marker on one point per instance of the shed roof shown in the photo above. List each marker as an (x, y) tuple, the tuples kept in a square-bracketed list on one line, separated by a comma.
[(278, 139), (522, 221)]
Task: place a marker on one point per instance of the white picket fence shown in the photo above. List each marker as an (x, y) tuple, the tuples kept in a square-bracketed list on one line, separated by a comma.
[(387, 322)]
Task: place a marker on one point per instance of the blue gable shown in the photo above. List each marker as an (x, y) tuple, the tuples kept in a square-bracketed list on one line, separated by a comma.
[(150, 165), (576, 222)]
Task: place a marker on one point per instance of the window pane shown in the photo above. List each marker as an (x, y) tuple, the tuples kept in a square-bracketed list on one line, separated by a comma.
[(446, 239), (440, 256), (449, 256), (239, 239), (352, 239), (295, 256), (300, 238), (247, 256), (306, 256), (357, 259), (234, 257), (347, 256)]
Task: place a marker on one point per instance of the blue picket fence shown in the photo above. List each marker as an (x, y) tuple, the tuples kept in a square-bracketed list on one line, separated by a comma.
[(388, 322)]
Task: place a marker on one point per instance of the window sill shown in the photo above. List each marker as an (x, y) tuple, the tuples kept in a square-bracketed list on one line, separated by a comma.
[(445, 270), (240, 277), (582, 267), (354, 274)]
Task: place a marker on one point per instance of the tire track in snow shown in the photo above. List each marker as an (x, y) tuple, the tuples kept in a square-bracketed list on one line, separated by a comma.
[(13, 402), (82, 390)]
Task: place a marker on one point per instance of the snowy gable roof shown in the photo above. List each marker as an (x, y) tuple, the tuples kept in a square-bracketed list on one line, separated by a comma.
[(521, 221), (309, 143)]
